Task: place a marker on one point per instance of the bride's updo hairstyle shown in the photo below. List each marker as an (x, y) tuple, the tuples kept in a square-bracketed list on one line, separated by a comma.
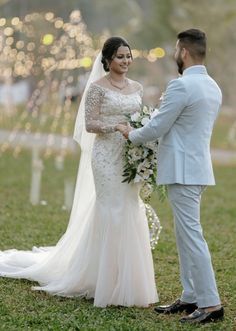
[(110, 48)]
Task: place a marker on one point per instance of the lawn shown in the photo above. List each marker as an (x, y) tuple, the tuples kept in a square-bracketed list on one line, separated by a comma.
[(23, 226), (220, 136)]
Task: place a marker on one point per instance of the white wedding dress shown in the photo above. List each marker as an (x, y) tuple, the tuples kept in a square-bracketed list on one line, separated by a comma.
[(108, 257)]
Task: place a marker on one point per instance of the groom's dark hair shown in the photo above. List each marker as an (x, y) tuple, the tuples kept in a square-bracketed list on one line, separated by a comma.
[(194, 41)]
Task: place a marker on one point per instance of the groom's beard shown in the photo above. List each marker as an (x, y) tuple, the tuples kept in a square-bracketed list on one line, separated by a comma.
[(180, 65)]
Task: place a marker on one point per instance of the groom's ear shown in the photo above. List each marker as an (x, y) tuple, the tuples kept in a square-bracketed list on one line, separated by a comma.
[(184, 52)]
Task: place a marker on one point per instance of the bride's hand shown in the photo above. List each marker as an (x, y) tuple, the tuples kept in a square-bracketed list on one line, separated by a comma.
[(124, 129)]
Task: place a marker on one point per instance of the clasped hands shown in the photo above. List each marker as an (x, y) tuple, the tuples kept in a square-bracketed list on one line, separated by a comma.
[(124, 129)]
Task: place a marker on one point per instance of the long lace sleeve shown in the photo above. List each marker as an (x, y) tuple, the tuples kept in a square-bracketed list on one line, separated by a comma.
[(93, 102), (140, 90)]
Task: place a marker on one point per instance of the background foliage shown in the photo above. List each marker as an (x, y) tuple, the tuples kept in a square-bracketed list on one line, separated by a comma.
[(153, 23)]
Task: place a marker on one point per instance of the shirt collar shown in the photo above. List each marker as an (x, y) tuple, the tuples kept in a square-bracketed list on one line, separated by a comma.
[(195, 69)]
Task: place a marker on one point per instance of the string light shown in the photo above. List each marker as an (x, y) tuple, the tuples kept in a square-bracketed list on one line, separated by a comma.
[(48, 56)]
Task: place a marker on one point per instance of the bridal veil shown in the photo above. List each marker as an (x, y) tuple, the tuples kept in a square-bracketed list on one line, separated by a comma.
[(46, 264)]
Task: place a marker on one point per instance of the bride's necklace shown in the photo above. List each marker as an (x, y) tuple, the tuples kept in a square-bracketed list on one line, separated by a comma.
[(116, 86)]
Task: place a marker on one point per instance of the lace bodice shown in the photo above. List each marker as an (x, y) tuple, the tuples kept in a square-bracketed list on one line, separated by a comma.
[(104, 108)]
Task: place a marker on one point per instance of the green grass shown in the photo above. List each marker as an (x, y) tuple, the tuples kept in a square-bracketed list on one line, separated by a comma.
[(221, 130), (23, 226), (52, 117)]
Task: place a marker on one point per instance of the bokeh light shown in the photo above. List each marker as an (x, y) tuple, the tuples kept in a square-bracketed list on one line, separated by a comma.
[(2, 21), (49, 16), (86, 62), (47, 39), (8, 31), (15, 21)]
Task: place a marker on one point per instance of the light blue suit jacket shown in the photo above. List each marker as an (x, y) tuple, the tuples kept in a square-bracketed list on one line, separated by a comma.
[(184, 125)]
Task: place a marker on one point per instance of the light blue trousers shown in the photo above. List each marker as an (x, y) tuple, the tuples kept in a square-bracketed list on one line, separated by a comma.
[(197, 275)]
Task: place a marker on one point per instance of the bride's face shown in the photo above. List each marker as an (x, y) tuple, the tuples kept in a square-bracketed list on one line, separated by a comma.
[(121, 60)]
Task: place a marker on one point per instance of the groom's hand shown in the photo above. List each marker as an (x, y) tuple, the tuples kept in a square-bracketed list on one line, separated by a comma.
[(124, 129)]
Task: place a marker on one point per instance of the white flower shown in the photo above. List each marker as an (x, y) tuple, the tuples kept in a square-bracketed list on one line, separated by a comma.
[(138, 179), (151, 145), (147, 110), (146, 190), (145, 152), (141, 167), (135, 117), (146, 174), (146, 163), (145, 120), (135, 153), (162, 96)]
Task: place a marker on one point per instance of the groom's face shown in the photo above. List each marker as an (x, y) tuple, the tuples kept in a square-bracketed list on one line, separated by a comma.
[(178, 58)]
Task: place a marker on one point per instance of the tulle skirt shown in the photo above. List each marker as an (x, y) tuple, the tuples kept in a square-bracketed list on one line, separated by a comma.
[(108, 257)]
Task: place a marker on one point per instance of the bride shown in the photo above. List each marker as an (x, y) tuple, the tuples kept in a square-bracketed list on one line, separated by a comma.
[(105, 252)]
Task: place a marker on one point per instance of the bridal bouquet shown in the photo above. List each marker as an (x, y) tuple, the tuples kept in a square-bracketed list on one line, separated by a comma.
[(140, 166), (141, 161)]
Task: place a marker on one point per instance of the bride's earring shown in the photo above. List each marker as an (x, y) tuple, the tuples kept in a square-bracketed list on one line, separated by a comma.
[(108, 64)]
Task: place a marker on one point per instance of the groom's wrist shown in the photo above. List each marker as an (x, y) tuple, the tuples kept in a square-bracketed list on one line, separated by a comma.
[(131, 136)]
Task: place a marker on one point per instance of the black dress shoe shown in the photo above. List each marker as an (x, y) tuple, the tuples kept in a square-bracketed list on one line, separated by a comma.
[(176, 307), (200, 316)]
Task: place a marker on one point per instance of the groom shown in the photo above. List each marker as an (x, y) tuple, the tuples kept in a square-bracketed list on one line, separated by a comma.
[(184, 126)]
